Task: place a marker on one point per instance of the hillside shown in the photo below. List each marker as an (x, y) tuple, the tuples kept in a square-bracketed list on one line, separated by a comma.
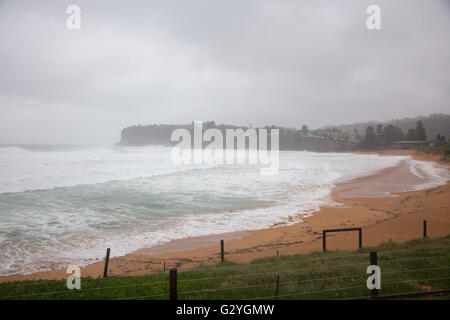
[(434, 124), (320, 140), (290, 139)]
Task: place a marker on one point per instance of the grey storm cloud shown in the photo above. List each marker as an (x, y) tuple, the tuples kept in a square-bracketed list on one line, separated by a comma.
[(261, 62)]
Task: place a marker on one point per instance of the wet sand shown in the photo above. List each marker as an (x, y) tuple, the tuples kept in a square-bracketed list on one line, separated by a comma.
[(192, 243), (362, 202)]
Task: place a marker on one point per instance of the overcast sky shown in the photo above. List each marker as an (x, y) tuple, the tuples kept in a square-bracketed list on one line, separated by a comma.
[(239, 62)]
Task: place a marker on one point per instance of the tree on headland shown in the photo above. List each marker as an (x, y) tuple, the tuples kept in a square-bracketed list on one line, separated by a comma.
[(356, 133), (305, 130), (398, 134), (440, 139), (418, 134), (390, 134), (411, 135), (369, 141), (381, 137), (421, 135), (379, 129)]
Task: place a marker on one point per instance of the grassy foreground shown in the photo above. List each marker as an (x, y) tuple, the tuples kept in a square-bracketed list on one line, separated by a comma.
[(418, 265)]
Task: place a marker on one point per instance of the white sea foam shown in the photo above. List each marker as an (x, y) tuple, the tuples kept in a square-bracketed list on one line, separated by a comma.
[(60, 207), (431, 174)]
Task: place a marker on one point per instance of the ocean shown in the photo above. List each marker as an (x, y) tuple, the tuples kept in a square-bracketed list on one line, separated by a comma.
[(62, 205)]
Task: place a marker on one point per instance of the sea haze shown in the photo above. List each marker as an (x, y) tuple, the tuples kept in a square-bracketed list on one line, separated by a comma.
[(65, 205)]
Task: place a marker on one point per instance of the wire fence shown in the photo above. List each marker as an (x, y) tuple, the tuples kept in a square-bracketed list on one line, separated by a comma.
[(331, 276)]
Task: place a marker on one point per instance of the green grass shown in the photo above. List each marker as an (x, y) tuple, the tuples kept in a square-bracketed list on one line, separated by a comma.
[(418, 265), (442, 148)]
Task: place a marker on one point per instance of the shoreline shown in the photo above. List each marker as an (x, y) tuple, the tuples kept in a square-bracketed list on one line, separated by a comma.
[(397, 217)]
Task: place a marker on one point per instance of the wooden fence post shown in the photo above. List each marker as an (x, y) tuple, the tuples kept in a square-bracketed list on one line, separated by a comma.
[(324, 240), (373, 262), (222, 253), (173, 284), (424, 228), (277, 286), (105, 271), (360, 238)]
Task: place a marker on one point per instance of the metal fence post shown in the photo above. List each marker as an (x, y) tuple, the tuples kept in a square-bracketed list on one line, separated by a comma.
[(222, 253), (324, 240)]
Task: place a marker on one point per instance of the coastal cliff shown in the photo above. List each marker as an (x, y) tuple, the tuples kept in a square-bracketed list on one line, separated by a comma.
[(290, 139)]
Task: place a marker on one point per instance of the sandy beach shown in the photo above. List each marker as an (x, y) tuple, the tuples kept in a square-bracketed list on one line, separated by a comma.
[(363, 202)]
